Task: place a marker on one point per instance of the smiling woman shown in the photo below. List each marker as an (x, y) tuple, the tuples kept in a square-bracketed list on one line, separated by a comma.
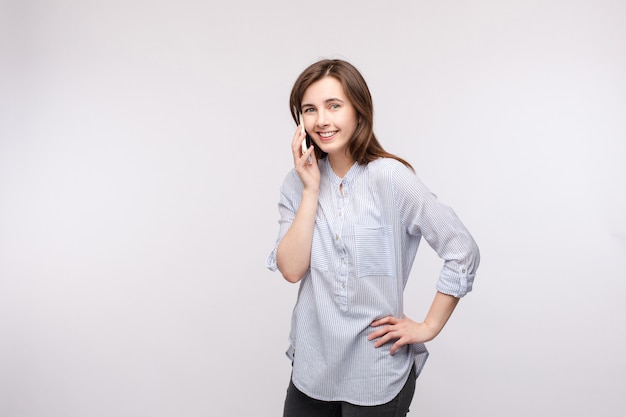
[(350, 225), (339, 84), (331, 121)]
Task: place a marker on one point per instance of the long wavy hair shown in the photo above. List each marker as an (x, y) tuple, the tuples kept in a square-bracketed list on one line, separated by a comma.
[(363, 147)]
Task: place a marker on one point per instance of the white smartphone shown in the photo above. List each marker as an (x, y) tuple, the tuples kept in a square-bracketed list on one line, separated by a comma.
[(304, 144)]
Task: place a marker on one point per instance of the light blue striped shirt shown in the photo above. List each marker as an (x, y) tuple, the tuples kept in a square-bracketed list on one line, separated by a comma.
[(365, 238)]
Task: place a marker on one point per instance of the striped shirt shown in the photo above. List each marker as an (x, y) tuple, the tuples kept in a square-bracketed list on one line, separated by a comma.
[(367, 230)]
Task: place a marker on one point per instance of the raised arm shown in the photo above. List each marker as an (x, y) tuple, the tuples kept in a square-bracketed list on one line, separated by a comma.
[(293, 255)]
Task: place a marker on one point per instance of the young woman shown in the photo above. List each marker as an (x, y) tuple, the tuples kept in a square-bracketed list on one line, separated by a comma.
[(351, 219)]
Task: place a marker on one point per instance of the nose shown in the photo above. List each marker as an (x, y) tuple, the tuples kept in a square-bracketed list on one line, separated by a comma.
[(322, 118)]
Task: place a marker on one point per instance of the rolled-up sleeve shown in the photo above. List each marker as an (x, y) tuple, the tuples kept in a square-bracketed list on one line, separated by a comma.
[(424, 215), (290, 197)]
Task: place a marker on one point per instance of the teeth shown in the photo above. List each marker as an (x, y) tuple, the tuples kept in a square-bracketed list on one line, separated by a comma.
[(327, 134)]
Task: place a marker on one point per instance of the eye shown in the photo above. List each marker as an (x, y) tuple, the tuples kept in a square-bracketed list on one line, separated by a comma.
[(335, 106), (308, 110)]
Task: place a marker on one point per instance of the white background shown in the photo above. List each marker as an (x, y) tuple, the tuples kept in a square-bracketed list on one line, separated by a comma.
[(142, 145)]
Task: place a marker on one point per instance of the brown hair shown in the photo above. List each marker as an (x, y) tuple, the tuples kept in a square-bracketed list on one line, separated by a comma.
[(364, 147)]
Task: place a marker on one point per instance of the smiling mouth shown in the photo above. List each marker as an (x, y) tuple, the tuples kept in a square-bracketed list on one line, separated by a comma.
[(327, 135)]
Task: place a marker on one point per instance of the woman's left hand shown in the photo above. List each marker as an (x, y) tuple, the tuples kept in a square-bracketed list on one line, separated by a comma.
[(404, 331)]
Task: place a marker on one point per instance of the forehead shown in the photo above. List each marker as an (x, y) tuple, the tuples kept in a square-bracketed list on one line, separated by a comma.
[(322, 90)]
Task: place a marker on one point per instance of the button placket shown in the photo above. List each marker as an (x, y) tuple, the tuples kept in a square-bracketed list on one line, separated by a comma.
[(342, 275)]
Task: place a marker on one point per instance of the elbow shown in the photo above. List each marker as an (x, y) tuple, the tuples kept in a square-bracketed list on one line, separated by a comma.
[(291, 270), (291, 277), (474, 256), (468, 256), (290, 274)]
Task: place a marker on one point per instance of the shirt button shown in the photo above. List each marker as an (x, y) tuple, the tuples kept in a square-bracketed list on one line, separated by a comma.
[(464, 270), (343, 285), (336, 237)]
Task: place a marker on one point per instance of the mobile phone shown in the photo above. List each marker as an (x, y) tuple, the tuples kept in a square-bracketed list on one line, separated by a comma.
[(306, 142)]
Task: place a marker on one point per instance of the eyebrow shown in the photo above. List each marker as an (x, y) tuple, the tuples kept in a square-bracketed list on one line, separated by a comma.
[(328, 100)]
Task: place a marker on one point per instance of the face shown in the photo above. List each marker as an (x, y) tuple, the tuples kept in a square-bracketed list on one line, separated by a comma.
[(329, 117)]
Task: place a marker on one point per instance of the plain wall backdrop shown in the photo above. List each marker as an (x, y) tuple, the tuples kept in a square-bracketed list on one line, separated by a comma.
[(143, 143)]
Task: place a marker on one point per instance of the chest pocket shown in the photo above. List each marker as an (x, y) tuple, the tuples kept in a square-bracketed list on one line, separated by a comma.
[(374, 250)]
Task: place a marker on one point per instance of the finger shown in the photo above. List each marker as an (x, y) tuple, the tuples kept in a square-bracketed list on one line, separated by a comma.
[(384, 320), (381, 331), (296, 142), (378, 333), (379, 322), (396, 346), (380, 342), (309, 153), (388, 337)]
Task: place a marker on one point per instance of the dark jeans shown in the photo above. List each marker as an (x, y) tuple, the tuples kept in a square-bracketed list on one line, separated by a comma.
[(298, 404)]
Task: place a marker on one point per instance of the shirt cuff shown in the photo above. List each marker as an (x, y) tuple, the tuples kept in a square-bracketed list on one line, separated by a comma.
[(456, 286), (270, 262)]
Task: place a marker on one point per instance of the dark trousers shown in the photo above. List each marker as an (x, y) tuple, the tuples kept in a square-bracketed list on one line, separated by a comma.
[(298, 404)]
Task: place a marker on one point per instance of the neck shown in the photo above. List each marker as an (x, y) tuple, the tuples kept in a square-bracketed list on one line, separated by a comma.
[(340, 165)]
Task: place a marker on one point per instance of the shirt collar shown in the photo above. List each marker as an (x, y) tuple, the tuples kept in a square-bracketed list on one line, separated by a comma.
[(353, 173)]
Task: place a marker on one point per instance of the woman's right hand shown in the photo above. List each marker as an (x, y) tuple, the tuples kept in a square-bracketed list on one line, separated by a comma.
[(309, 172)]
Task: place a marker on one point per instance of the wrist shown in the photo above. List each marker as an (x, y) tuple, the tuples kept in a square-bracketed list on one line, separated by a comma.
[(310, 193), (433, 330)]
